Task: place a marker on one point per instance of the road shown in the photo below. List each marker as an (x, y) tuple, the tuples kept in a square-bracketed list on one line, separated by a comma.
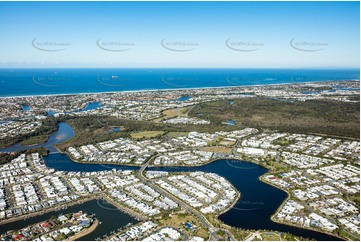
[(212, 230)]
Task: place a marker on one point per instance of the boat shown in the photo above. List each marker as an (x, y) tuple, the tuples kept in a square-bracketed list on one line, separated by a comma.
[(115, 77)]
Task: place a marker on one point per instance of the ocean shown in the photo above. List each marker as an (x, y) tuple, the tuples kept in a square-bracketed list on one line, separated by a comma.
[(29, 82)]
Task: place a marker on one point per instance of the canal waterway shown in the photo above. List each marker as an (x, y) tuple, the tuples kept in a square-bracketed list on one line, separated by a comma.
[(253, 210), (110, 217)]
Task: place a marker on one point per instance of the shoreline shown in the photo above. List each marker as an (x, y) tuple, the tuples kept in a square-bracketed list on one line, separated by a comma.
[(76, 236), (284, 202), (48, 210), (124, 209), (142, 217), (288, 223), (174, 89), (84, 232), (233, 204), (102, 196), (230, 206), (151, 166)]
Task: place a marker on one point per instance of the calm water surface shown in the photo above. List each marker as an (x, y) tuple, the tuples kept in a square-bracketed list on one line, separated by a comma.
[(23, 82), (252, 211), (64, 132), (110, 216)]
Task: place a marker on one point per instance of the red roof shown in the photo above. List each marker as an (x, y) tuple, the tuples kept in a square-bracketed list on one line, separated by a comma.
[(46, 224), (18, 236)]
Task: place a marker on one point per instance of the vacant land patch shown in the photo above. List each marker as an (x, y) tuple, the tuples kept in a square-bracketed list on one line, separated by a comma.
[(176, 134), (146, 134), (218, 149)]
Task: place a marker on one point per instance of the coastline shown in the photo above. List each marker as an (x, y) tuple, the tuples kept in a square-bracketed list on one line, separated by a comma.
[(125, 209), (173, 89)]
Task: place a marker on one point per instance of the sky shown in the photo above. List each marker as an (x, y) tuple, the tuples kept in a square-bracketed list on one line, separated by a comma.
[(180, 34)]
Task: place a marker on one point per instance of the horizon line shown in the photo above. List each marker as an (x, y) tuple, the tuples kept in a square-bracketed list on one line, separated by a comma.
[(325, 67)]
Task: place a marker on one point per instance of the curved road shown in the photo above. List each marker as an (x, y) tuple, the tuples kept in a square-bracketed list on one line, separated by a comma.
[(212, 230)]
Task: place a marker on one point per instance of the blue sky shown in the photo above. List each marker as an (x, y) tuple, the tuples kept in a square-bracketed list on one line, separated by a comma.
[(194, 34)]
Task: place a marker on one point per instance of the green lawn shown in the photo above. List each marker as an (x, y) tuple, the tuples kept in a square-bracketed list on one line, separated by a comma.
[(146, 134), (35, 140)]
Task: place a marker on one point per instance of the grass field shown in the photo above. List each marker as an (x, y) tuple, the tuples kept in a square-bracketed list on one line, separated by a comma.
[(219, 149), (35, 140), (238, 233), (227, 143), (177, 220), (170, 113), (176, 134), (93, 129), (270, 236), (146, 134)]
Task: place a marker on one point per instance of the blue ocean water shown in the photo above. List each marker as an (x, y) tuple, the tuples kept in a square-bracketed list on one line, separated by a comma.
[(24, 82)]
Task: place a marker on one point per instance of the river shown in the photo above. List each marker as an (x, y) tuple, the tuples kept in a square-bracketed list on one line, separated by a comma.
[(253, 210), (64, 132)]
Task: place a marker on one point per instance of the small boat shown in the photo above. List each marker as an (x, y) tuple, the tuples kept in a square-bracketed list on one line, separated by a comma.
[(100, 222), (115, 77)]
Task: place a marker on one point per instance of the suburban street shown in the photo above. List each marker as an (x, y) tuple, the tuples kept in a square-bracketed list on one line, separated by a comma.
[(212, 230)]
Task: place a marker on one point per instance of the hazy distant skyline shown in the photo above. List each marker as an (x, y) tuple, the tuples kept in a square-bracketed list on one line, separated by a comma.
[(180, 34)]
